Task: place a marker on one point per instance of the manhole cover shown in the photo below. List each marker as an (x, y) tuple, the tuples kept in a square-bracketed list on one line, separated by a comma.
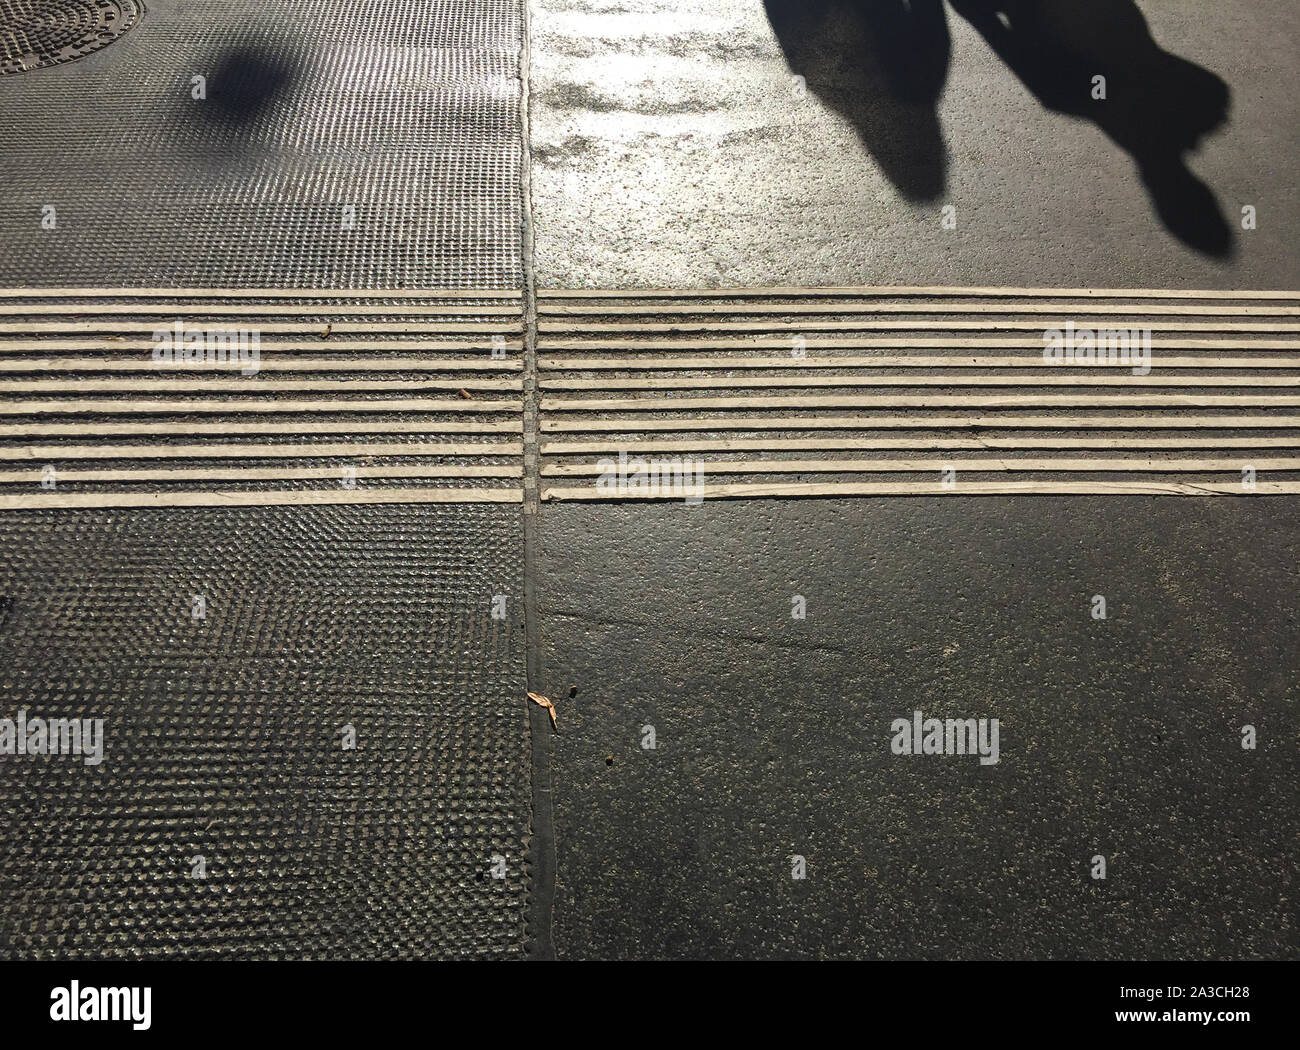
[(35, 33)]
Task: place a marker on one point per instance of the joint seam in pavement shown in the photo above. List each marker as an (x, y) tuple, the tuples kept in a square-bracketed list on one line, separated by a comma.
[(542, 839)]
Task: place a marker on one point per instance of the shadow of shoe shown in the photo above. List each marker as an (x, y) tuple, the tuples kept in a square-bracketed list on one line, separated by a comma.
[(1154, 105)]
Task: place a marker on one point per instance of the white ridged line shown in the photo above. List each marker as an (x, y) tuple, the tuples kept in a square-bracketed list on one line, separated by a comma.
[(271, 346), (755, 490), (63, 343), (257, 293), (900, 291)]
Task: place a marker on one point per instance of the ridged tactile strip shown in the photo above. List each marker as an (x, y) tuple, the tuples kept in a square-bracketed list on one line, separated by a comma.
[(155, 397), (774, 392)]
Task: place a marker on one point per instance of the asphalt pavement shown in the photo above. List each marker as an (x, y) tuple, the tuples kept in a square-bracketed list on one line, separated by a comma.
[(673, 147), (335, 756)]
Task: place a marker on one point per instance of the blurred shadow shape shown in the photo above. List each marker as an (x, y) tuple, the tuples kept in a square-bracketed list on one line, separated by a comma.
[(245, 84), (1157, 106), (882, 65)]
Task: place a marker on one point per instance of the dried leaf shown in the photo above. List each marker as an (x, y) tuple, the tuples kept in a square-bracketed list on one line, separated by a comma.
[(544, 702), (466, 395)]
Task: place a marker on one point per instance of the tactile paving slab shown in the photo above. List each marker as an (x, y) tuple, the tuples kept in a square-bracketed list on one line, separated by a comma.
[(227, 818), (369, 145), (895, 391), (216, 397), (331, 144)]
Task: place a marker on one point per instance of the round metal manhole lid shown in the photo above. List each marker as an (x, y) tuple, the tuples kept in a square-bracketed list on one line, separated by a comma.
[(36, 33)]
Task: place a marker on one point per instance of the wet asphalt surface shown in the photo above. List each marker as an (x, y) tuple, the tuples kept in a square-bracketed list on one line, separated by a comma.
[(772, 735), (671, 148)]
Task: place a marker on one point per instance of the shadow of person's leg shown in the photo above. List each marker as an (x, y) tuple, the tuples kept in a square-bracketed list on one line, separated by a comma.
[(882, 64), (1157, 106)]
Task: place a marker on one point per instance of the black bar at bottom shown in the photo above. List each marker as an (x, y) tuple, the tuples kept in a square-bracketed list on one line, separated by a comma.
[(337, 1000)]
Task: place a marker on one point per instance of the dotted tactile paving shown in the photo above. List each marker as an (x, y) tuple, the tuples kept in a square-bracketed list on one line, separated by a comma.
[(223, 735), (336, 144)]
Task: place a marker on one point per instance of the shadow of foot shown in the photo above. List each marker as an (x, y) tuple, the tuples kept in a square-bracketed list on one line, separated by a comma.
[(1157, 106), (882, 65)]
